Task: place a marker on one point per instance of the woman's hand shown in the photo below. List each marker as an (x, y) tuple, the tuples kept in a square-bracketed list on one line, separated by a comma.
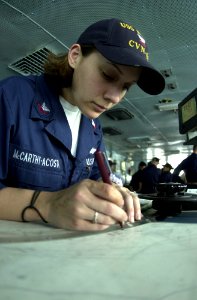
[(74, 208), (131, 204)]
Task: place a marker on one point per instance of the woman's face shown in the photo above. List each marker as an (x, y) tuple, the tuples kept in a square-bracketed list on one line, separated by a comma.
[(98, 84)]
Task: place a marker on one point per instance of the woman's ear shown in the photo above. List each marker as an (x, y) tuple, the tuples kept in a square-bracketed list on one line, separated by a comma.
[(74, 55)]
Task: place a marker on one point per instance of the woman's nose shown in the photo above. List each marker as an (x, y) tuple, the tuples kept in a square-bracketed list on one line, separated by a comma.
[(113, 95)]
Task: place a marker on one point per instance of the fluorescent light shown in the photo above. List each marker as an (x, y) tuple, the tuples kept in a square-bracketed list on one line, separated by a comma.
[(168, 106), (176, 142)]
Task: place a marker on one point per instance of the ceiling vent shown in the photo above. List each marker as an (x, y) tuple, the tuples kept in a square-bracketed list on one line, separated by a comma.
[(111, 131), (32, 64), (118, 114)]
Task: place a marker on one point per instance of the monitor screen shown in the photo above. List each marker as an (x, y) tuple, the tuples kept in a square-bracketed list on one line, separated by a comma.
[(187, 110)]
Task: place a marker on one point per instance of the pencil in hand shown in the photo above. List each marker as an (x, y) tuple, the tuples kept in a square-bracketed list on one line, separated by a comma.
[(104, 169)]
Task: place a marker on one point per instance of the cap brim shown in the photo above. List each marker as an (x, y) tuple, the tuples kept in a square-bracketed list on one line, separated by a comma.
[(151, 81)]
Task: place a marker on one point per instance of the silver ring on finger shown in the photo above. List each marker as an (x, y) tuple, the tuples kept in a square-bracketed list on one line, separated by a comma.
[(95, 218)]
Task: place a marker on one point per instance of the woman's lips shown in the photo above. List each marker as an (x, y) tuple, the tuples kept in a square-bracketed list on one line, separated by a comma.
[(99, 108)]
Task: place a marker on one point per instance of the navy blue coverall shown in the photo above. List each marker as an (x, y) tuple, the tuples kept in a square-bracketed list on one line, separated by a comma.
[(149, 179), (189, 166), (35, 138)]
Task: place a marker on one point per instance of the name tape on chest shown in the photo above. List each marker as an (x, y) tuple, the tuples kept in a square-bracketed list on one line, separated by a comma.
[(35, 159)]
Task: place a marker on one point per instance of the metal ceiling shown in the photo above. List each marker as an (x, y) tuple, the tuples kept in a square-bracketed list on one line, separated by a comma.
[(169, 27)]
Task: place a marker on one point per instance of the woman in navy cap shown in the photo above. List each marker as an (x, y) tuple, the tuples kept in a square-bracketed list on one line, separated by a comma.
[(50, 131)]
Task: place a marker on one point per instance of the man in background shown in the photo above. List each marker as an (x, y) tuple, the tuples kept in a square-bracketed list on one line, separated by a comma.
[(166, 175), (189, 166), (150, 177), (136, 177), (115, 176)]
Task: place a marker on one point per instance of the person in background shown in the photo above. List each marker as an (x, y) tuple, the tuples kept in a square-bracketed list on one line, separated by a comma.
[(115, 176), (189, 166), (166, 175), (136, 177), (150, 177), (50, 131)]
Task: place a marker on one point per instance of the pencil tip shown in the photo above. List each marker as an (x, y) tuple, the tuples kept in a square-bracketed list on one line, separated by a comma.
[(121, 225)]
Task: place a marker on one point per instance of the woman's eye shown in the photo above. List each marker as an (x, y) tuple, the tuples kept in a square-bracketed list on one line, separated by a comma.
[(108, 77)]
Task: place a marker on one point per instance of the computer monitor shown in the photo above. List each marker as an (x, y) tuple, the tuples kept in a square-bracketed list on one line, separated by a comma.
[(187, 111)]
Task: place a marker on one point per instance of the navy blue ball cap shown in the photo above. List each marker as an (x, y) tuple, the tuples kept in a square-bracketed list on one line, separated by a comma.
[(122, 44)]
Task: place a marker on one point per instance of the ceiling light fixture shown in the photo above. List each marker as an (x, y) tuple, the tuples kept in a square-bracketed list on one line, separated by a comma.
[(167, 106)]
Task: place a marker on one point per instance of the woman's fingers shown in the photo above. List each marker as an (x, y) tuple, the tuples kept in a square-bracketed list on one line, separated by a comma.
[(98, 211), (107, 192), (132, 207), (131, 204), (92, 205), (114, 201)]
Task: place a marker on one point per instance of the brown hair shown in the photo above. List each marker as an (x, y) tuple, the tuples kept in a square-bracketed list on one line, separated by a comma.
[(58, 70)]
